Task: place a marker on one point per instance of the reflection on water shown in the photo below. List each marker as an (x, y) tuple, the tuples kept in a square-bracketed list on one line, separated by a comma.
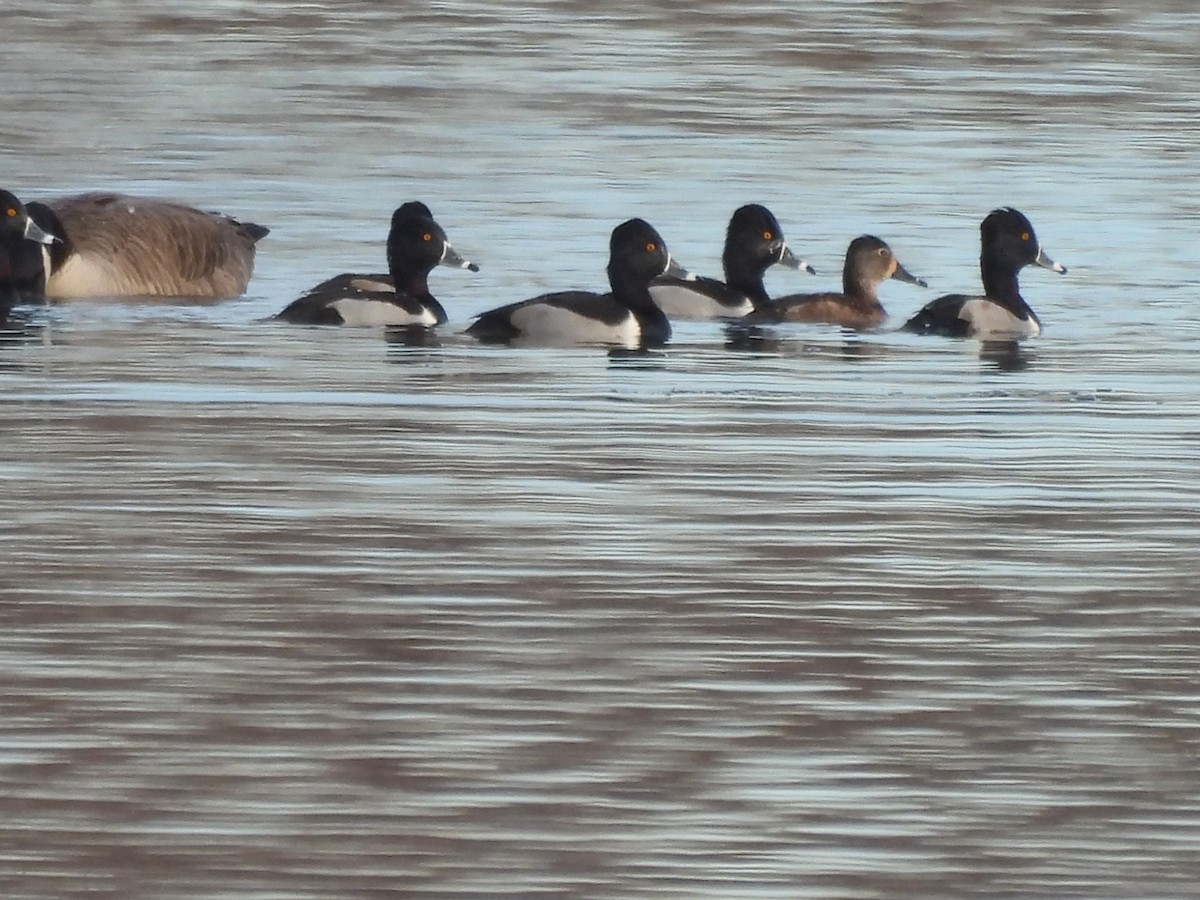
[(412, 336), (1008, 356), (786, 340), (299, 612)]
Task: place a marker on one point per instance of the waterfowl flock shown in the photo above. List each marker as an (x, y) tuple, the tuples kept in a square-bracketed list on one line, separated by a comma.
[(113, 245)]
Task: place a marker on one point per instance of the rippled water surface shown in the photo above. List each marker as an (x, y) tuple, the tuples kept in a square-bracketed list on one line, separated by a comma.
[(301, 613)]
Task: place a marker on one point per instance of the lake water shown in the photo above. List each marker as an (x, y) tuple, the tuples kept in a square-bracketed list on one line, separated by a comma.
[(301, 613)]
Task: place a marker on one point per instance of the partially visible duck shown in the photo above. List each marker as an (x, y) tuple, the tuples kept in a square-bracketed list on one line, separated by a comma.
[(114, 245), (415, 245), (869, 262), (21, 242), (1007, 245), (753, 243), (625, 317)]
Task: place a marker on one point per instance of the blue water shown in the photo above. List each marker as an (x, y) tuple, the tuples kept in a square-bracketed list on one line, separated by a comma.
[(300, 613)]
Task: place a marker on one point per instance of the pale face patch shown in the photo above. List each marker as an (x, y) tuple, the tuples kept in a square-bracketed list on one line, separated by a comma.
[(991, 320), (359, 312)]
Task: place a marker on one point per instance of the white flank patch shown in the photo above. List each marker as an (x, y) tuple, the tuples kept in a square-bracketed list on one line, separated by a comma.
[(544, 324), (356, 311), (991, 320), (679, 302)]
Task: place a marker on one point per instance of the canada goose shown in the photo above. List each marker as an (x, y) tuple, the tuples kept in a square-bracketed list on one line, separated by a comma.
[(114, 245)]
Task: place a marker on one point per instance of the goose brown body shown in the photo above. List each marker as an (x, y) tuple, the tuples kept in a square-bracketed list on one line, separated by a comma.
[(117, 245)]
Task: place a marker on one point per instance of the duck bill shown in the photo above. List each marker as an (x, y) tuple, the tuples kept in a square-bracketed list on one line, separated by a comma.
[(790, 260), (451, 258), (902, 274), (675, 270), (33, 232), (1047, 263)]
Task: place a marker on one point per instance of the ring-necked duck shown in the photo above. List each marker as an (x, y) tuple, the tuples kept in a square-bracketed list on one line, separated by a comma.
[(625, 317), (21, 242), (753, 243), (1008, 244), (415, 245), (113, 245), (869, 262)]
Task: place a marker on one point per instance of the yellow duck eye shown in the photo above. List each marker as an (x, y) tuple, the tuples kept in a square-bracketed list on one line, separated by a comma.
[(427, 236), (1024, 235), (651, 246), (767, 236), (10, 212)]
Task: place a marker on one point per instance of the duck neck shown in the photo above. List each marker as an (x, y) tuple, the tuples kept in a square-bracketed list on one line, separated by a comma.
[(860, 291), (28, 266), (8, 294), (746, 278), (414, 284), (409, 280), (1000, 284), (633, 293), (430, 302)]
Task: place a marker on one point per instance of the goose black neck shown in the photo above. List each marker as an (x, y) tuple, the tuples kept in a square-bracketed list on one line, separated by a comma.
[(47, 219)]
